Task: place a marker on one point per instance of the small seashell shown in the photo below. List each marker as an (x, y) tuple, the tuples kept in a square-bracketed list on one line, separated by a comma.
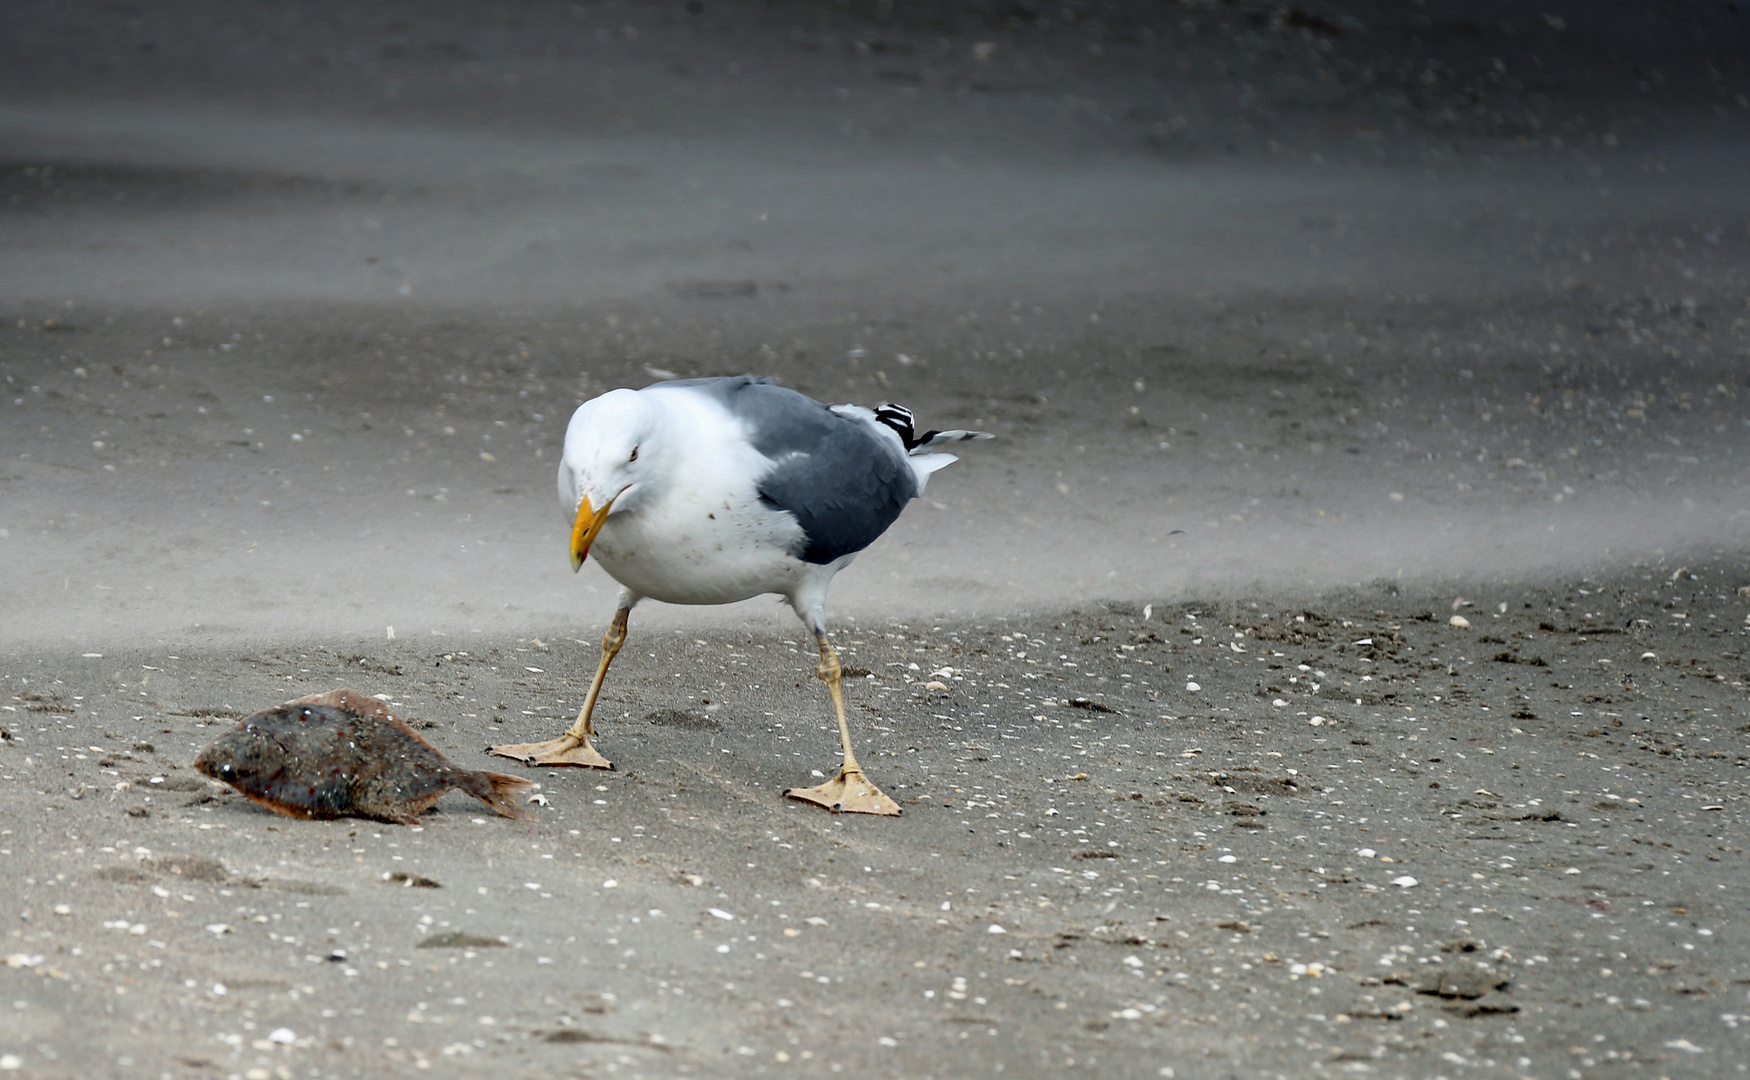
[(1459, 621)]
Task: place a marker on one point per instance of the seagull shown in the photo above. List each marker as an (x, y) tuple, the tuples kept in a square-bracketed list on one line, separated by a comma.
[(710, 491)]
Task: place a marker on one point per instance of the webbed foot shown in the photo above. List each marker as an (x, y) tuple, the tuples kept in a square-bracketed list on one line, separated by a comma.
[(850, 792), (565, 750)]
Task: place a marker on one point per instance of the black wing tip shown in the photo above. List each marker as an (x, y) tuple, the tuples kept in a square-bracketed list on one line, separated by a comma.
[(899, 418)]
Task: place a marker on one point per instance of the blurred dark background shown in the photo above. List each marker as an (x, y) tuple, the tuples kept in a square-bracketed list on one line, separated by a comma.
[(1183, 78)]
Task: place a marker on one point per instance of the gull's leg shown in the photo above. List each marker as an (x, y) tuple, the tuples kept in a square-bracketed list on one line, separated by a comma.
[(573, 748), (850, 792)]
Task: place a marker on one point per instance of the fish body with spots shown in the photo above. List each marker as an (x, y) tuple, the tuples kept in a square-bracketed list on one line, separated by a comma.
[(342, 754)]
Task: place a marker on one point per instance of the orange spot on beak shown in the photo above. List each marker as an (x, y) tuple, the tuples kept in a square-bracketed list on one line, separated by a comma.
[(583, 531)]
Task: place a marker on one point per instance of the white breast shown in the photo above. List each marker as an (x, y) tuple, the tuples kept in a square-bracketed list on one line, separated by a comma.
[(699, 533)]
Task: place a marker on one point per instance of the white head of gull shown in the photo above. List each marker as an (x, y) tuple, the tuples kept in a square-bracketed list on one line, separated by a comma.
[(709, 491)]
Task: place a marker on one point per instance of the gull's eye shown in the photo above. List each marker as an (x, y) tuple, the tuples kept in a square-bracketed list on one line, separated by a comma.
[(634, 456)]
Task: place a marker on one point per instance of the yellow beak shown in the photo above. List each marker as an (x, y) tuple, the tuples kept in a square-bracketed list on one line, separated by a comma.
[(583, 532)]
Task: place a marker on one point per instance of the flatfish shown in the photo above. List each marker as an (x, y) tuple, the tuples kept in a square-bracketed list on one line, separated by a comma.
[(342, 754)]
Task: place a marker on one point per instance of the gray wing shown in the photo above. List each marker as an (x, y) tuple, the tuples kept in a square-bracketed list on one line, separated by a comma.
[(844, 483)]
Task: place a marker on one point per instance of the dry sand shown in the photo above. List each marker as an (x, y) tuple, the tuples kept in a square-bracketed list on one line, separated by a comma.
[(1304, 332)]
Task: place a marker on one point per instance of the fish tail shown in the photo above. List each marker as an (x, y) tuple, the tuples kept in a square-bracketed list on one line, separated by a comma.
[(499, 791)]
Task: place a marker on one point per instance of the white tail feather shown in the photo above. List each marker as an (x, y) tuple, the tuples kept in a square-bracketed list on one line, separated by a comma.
[(922, 465), (943, 438)]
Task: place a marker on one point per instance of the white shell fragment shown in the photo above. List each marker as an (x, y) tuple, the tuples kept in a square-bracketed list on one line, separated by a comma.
[(1459, 621), (1405, 882)]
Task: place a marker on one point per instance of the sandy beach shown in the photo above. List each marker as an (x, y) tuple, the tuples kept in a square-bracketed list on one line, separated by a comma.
[(1334, 667)]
